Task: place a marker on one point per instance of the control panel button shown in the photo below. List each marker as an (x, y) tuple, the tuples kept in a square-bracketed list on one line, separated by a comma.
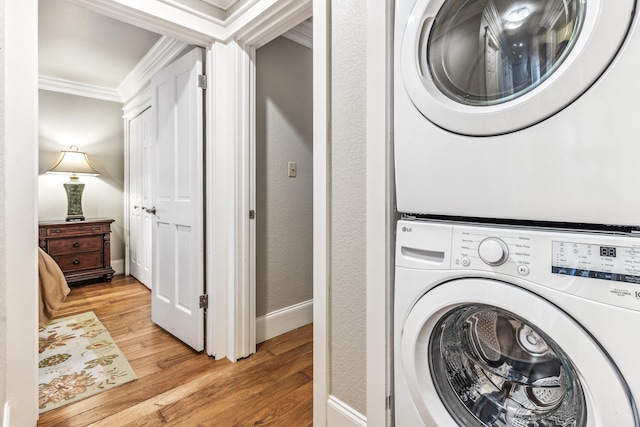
[(493, 251), (523, 270), (466, 262)]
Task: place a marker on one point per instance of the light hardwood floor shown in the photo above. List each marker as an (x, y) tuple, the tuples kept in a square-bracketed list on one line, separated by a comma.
[(179, 387)]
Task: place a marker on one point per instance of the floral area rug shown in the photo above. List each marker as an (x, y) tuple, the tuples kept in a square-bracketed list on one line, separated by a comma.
[(78, 359)]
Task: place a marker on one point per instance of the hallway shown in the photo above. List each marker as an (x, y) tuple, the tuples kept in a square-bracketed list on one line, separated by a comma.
[(178, 387)]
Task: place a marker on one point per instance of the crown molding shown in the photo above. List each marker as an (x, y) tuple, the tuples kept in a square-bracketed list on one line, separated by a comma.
[(302, 34), (54, 84), (219, 12), (137, 105), (265, 21), (222, 4), (162, 53), (159, 17), (192, 25), (200, 8), (244, 22)]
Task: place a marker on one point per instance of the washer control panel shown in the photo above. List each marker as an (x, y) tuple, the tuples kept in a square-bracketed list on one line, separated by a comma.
[(598, 266), (596, 261), (481, 249)]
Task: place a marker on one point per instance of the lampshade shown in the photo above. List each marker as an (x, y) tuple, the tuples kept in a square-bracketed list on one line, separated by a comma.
[(73, 162)]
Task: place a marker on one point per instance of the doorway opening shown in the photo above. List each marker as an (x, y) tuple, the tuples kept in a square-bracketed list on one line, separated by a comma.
[(235, 256), (283, 187)]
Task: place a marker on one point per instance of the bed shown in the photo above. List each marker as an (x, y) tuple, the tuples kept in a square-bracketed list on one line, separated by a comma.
[(52, 288)]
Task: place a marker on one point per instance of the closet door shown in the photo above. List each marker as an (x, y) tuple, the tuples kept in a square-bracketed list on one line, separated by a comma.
[(140, 243), (178, 197)]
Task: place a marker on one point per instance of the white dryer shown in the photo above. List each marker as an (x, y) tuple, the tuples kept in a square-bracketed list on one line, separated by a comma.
[(518, 109), (516, 327)]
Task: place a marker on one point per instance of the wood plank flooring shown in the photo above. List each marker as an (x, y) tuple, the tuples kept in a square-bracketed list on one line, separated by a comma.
[(177, 386)]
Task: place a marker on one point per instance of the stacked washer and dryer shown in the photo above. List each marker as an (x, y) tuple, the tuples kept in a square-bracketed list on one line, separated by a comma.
[(517, 284)]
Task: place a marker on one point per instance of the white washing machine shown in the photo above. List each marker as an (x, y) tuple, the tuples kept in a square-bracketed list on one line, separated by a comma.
[(518, 109), (517, 327)]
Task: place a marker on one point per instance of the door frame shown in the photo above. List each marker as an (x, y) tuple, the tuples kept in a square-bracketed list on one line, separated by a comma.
[(21, 72), (19, 223), (230, 255), (244, 54)]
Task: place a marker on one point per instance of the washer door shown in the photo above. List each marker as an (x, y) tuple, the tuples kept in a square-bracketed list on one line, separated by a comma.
[(479, 352), (479, 67)]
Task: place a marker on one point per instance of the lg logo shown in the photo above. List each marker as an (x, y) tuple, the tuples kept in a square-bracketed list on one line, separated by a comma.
[(407, 229)]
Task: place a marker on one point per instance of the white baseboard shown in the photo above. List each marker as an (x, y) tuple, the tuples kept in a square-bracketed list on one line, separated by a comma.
[(339, 414), (118, 265), (283, 320), (6, 418)]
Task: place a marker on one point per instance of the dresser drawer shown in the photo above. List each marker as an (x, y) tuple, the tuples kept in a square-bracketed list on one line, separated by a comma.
[(76, 245), (83, 261), (77, 230), (82, 249)]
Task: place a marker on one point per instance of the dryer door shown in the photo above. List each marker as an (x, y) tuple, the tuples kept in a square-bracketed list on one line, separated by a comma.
[(479, 352), (492, 67)]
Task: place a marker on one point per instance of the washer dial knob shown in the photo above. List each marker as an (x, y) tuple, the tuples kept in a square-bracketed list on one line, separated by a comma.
[(493, 251)]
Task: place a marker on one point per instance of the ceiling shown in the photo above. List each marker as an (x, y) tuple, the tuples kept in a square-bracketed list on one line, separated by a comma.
[(221, 4), (79, 46), (82, 46)]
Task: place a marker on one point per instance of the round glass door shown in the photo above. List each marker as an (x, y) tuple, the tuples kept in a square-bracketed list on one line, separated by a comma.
[(492, 368), (485, 353), (489, 67), (485, 52)]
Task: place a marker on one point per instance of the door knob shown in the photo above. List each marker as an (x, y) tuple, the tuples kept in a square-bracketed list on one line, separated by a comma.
[(151, 211)]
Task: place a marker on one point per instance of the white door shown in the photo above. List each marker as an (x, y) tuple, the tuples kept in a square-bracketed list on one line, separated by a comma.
[(140, 197), (135, 196), (178, 232), (146, 243)]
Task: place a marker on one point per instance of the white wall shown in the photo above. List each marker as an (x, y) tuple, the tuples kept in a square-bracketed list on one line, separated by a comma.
[(19, 238), (284, 205), (348, 357), (97, 128)]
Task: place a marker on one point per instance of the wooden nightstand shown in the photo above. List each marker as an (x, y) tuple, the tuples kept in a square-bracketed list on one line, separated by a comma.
[(82, 249)]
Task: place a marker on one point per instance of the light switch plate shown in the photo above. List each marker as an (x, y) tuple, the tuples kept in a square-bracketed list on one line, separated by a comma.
[(292, 169)]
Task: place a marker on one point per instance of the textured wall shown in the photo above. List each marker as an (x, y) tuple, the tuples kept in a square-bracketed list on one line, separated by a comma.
[(3, 278), (284, 206), (348, 243), (97, 128)]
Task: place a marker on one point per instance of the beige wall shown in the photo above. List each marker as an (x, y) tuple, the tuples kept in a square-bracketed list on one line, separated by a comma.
[(347, 295), (97, 128), (284, 205)]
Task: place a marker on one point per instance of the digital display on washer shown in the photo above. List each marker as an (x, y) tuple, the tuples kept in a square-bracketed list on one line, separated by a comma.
[(615, 263), (608, 251)]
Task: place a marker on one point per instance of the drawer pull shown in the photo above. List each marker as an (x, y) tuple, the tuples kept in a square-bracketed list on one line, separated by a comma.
[(57, 231), (76, 262), (76, 245)]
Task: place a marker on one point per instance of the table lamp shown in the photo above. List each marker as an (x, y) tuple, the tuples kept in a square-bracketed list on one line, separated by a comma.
[(75, 163)]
